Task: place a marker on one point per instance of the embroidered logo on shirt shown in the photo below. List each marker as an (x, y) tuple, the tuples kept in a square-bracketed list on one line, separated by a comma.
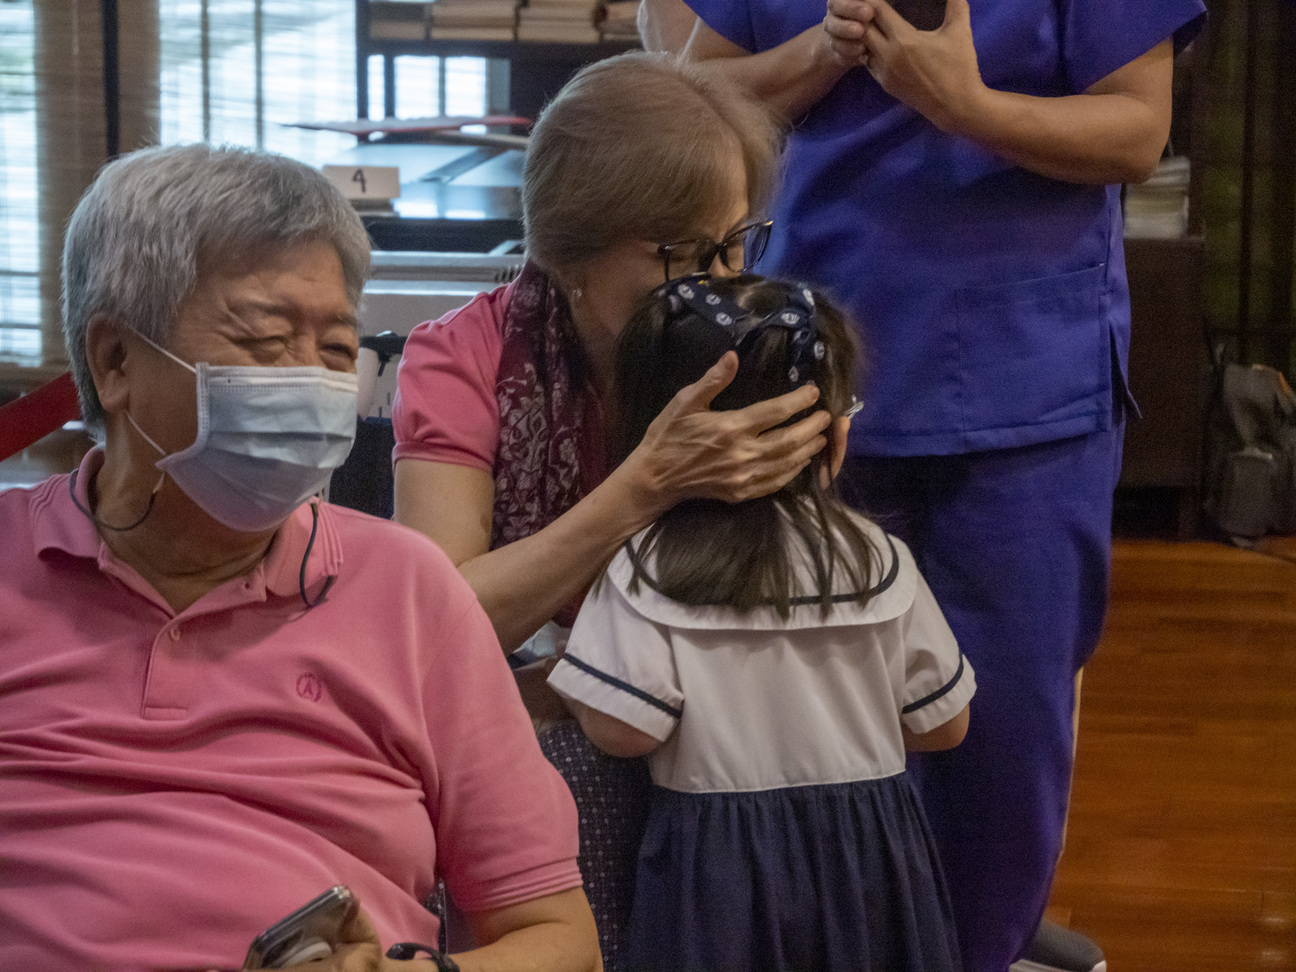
[(309, 687)]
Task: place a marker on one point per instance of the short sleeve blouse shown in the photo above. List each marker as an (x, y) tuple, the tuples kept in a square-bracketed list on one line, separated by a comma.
[(749, 700), (446, 408)]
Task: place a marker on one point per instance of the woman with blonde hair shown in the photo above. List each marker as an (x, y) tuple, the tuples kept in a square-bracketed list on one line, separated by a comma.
[(642, 169)]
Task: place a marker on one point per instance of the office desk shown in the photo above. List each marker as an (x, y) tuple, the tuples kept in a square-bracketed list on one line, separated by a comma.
[(454, 198)]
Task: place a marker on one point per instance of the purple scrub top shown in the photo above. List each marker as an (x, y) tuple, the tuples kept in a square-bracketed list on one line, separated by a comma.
[(993, 302)]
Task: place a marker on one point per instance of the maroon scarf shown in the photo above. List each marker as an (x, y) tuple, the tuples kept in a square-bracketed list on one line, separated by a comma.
[(551, 448)]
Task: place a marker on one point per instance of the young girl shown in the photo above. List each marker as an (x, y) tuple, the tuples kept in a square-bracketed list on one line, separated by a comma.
[(776, 658)]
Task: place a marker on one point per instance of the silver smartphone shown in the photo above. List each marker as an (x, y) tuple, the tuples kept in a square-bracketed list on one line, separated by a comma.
[(310, 932)]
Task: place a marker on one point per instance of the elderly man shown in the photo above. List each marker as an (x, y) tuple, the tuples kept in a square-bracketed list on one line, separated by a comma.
[(219, 696)]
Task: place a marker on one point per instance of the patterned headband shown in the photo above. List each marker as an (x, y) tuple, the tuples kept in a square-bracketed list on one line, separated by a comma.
[(739, 325)]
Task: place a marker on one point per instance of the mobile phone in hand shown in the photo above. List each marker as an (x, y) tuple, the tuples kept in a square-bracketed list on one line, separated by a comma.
[(310, 932), (922, 14)]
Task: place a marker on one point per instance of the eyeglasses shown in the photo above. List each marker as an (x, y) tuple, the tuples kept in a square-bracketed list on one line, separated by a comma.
[(736, 252)]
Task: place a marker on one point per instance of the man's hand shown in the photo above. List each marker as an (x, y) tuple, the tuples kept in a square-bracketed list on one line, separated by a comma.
[(359, 950), (1112, 132), (845, 25), (934, 72)]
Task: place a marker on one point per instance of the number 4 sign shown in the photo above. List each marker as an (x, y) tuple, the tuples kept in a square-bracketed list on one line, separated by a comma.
[(365, 181)]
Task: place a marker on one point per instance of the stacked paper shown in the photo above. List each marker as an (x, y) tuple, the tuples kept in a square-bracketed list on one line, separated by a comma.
[(1158, 208), (473, 19), (398, 20), (559, 21), (620, 20)]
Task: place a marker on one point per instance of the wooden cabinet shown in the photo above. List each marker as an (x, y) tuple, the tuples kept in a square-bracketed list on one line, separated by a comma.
[(1168, 370), (1167, 367), (536, 71)]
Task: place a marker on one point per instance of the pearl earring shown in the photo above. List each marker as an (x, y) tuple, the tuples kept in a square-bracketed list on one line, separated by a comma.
[(576, 294)]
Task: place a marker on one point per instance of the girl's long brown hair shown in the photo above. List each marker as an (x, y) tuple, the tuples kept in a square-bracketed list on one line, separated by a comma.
[(708, 552)]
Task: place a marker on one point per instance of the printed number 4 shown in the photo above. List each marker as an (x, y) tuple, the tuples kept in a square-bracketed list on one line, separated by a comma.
[(359, 177)]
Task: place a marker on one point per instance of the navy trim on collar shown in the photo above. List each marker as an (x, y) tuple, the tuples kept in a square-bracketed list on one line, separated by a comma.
[(872, 592), (803, 600)]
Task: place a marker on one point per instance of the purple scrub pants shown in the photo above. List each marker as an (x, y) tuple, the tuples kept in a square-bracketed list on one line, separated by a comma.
[(1016, 545)]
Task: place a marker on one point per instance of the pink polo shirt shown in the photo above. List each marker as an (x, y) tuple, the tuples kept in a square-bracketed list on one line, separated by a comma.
[(171, 785), (446, 409)]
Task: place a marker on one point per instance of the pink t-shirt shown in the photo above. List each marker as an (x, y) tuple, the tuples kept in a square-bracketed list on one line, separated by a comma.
[(446, 408), (171, 785)]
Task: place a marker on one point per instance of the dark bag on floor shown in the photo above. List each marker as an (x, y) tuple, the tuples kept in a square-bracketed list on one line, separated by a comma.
[(1250, 469)]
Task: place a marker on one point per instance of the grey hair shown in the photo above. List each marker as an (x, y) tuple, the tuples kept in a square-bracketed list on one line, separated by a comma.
[(154, 218)]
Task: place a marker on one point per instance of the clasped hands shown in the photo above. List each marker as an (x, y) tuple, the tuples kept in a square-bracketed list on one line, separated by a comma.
[(934, 72)]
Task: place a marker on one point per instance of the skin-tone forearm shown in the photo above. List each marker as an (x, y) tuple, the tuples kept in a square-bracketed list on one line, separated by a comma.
[(614, 737), (945, 736), (688, 451), (553, 933), (790, 78), (524, 584), (1114, 132), (1092, 139), (665, 25)]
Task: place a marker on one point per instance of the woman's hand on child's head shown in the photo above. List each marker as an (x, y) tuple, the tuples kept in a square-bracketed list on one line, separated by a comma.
[(691, 452)]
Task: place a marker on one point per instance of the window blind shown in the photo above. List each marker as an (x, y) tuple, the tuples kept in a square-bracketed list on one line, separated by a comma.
[(20, 310), (220, 71)]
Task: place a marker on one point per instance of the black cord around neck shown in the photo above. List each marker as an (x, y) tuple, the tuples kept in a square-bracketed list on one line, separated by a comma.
[(301, 575), (98, 522)]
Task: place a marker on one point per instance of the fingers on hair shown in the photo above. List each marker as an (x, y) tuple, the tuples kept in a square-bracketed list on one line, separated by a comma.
[(756, 535)]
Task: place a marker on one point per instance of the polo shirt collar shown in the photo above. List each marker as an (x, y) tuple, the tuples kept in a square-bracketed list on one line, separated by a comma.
[(283, 561), (59, 525)]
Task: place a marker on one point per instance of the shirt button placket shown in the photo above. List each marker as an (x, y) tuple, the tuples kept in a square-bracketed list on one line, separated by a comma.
[(168, 686)]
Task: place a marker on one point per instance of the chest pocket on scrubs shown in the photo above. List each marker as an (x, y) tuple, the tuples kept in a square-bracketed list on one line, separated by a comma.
[(1035, 354)]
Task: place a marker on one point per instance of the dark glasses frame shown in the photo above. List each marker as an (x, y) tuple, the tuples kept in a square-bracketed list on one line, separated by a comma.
[(755, 238)]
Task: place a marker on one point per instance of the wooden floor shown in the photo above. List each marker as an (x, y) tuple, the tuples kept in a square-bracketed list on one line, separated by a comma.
[(1181, 846)]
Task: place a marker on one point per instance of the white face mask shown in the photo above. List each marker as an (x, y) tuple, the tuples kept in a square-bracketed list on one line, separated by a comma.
[(268, 440)]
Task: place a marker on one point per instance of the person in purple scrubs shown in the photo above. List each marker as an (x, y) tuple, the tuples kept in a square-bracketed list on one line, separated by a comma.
[(957, 186)]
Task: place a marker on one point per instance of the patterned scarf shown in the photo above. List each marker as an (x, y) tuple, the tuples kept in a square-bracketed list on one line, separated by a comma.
[(551, 447)]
